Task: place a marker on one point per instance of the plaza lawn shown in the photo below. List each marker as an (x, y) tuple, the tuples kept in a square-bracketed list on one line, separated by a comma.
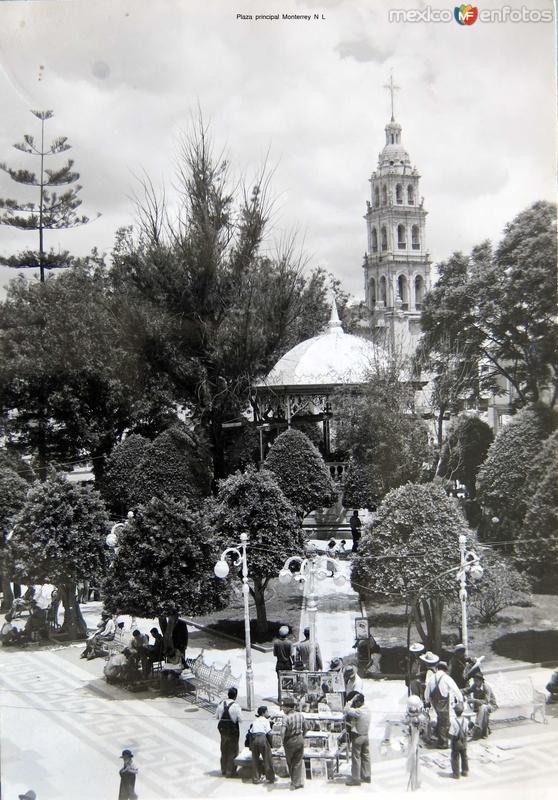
[(511, 632)]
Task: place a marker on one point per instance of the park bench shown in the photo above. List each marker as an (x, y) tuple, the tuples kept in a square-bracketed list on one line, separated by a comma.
[(210, 680), (122, 639), (514, 697)]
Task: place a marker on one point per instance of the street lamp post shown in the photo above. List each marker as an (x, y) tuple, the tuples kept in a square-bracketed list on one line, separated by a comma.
[(310, 569), (221, 570), (111, 539), (468, 565)]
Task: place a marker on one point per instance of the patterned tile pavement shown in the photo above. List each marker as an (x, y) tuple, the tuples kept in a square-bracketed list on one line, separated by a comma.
[(63, 729)]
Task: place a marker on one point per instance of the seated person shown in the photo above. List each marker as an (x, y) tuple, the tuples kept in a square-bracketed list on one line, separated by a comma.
[(137, 645), (36, 626), (152, 652), (22, 604), (481, 698), (551, 686), (96, 643), (119, 667), (172, 668), (9, 633)]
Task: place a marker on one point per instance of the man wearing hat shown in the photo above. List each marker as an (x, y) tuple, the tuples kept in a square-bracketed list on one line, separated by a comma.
[(128, 773), (357, 716), (441, 692), (283, 652), (353, 683), (413, 679), (458, 665), (481, 698), (29, 795)]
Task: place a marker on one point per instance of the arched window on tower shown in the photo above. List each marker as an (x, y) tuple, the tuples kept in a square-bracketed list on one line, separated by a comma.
[(410, 195), (383, 290), (399, 194), (374, 240), (403, 291), (419, 292), (401, 237), (384, 237), (372, 292), (384, 195), (377, 196), (415, 240)]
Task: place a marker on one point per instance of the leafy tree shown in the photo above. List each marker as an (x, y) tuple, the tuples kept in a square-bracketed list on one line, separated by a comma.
[(498, 308), (164, 560), (203, 304), (387, 444), (176, 465), (121, 472), (502, 585), (58, 537), (503, 476), (356, 492), (410, 551), (13, 490), (52, 211), (537, 543), (464, 451), (69, 385), (252, 503), (300, 471)]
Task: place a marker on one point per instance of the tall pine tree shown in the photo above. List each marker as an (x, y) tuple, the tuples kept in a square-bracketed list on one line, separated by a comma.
[(53, 210)]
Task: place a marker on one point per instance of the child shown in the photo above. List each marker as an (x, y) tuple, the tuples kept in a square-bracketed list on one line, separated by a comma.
[(458, 736)]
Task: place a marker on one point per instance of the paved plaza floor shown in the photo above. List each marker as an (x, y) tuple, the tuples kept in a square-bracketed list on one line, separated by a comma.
[(63, 728)]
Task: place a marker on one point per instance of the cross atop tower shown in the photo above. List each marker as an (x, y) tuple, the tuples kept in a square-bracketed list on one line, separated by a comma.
[(392, 89)]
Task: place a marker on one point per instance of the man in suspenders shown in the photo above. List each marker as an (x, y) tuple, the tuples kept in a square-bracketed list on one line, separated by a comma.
[(441, 692), (230, 716)]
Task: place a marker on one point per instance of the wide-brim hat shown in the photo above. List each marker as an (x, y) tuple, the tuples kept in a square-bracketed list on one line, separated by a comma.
[(416, 647), (283, 631), (127, 754), (335, 663), (459, 647), (429, 658), (29, 795)]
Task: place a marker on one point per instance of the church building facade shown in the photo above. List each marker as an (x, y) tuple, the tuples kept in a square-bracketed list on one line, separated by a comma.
[(396, 263)]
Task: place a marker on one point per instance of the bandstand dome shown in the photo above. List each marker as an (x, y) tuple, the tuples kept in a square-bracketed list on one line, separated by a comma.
[(330, 359)]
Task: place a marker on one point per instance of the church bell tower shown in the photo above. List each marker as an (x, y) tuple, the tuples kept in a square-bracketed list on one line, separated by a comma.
[(396, 264)]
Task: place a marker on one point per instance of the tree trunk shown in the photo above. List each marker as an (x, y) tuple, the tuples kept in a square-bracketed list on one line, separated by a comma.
[(434, 621), (74, 626), (7, 594), (422, 632), (261, 613)]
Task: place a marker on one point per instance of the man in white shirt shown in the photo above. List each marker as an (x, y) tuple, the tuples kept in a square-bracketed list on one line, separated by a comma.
[(260, 747), (353, 683), (442, 692), (229, 714)]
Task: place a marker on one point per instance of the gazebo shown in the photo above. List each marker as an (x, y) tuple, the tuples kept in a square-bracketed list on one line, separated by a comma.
[(300, 385)]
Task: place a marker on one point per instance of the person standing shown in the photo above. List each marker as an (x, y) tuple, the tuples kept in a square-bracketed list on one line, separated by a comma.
[(259, 731), (353, 683), (283, 652), (441, 691), (175, 633), (458, 736), (303, 652), (356, 524), (357, 716), (294, 729), (458, 666), (229, 714), (128, 773)]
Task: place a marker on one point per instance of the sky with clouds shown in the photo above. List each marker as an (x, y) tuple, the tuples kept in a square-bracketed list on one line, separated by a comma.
[(124, 77)]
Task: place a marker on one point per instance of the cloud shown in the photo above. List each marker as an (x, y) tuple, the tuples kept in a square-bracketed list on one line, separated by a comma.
[(364, 50)]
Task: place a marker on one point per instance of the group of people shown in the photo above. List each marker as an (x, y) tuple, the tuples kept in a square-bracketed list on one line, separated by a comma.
[(168, 646), (293, 726), (455, 692)]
